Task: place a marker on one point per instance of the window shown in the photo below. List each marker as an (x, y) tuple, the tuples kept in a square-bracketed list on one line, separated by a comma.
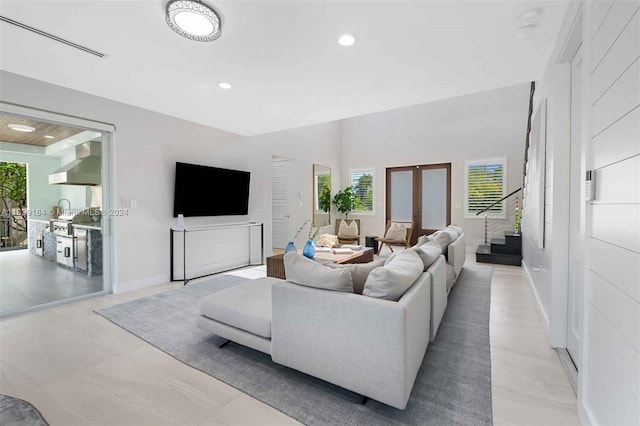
[(362, 184), (485, 184)]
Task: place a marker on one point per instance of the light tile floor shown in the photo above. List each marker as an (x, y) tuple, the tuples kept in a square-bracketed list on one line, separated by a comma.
[(27, 280), (80, 369)]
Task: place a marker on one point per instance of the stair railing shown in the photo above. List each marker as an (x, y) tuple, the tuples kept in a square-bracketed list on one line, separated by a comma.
[(516, 229)]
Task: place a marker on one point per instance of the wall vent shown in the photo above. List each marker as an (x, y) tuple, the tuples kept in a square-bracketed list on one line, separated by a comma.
[(51, 36)]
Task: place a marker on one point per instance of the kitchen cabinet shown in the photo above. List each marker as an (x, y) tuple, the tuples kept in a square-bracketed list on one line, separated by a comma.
[(88, 249)]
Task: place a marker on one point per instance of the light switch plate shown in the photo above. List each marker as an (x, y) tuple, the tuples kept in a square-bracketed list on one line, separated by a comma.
[(133, 204)]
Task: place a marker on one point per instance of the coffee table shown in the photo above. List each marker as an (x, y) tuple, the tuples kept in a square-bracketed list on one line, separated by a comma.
[(275, 263)]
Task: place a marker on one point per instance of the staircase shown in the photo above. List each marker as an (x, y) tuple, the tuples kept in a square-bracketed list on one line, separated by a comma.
[(503, 251), (502, 235), (506, 247)]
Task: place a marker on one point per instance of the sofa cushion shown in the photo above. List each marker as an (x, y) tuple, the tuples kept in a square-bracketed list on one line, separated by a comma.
[(246, 306), (453, 232), (303, 271), (348, 230), (391, 281), (444, 238), (456, 228), (422, 239), (359, 272), (428, 253)]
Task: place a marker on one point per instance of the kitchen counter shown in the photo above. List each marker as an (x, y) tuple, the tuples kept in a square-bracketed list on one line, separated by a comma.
[(85, 226), (40, 219)]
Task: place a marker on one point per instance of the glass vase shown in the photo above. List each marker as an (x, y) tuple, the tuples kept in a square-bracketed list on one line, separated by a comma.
[(290, 247), (309, 249)]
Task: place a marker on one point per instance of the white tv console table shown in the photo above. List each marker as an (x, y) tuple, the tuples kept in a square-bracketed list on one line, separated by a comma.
[(194, 229)]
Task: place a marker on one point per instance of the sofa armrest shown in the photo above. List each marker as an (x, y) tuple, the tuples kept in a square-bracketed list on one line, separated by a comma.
[(457, 254), (370, 346)]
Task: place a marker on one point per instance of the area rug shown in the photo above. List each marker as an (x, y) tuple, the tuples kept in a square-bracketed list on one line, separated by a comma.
[(18, 412), (453, 386)]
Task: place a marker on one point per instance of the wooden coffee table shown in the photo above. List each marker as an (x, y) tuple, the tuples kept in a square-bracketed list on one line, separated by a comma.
[(275, 263)]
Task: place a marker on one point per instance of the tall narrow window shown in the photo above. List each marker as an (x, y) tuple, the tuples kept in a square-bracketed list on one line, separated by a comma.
[(485, 184), (362, 184)]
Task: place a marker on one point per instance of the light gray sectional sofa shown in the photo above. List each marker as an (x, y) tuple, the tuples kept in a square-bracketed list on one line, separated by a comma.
[(326, 322)]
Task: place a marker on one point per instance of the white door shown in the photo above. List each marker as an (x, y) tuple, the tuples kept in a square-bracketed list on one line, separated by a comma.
[(576, 215), (281, 205)]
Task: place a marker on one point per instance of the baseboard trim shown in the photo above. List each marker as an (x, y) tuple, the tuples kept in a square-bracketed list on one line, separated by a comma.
[(539, 308), (127, 286), (569, 367)]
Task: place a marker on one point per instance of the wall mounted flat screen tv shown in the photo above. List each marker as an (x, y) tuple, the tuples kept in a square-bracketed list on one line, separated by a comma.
[(210, 191)]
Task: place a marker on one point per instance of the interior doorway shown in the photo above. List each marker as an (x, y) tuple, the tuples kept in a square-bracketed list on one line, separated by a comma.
[(421, 194), (281, 204), (63, 201), (576, 216)]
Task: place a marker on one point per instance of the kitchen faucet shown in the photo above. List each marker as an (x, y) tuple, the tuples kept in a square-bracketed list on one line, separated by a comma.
[(60, 207)]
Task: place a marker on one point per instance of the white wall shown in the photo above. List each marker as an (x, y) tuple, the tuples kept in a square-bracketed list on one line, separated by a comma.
[(609, 372), (147, 145), (472, 127), (40, 195)]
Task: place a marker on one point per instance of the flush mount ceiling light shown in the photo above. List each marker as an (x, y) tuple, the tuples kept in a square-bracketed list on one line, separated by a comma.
[(193, 20), (48, 136), (527, 23), (224, 85), (21, 128), (346, 40)]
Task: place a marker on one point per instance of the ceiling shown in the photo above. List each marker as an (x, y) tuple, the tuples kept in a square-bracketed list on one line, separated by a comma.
[(36, 137), (282, 58)]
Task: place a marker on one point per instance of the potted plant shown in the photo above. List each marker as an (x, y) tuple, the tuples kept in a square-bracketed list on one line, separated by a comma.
[(345, 201), (324, 201)]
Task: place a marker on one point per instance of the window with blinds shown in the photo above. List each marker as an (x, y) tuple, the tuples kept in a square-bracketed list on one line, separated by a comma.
[(485, 184), (362, 184)]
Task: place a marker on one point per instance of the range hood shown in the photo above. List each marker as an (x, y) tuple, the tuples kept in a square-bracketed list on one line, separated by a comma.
[(84, 169)]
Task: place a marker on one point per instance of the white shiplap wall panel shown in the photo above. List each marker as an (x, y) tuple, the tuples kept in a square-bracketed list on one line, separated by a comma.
[(613, 24), (600, 10), (618, 142), (619, 266), (618, 308), (610, 400), (610, 378), (622, 54), (620, 99), (624, 358), (608, 179), (617, 224)]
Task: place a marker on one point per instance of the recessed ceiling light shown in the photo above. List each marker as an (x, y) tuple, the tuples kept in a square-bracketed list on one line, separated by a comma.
[(224, 85), (194, 20), (48, 136), (346, 40), (21, 128)]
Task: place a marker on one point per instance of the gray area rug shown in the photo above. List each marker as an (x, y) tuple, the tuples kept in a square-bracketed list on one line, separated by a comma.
[(17, 412), (453, 386)]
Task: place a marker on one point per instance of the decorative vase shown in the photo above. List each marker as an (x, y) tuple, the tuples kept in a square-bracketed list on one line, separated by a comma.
[(290, 247), (309, 249)]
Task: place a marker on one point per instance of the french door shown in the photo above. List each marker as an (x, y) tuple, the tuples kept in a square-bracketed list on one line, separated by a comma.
[(421, 194)]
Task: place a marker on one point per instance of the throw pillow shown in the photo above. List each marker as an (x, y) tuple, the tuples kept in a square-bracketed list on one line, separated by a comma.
[(348, 231), (428, 253), (396, 233), (359, 272), (306, 272), (391, 281)]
